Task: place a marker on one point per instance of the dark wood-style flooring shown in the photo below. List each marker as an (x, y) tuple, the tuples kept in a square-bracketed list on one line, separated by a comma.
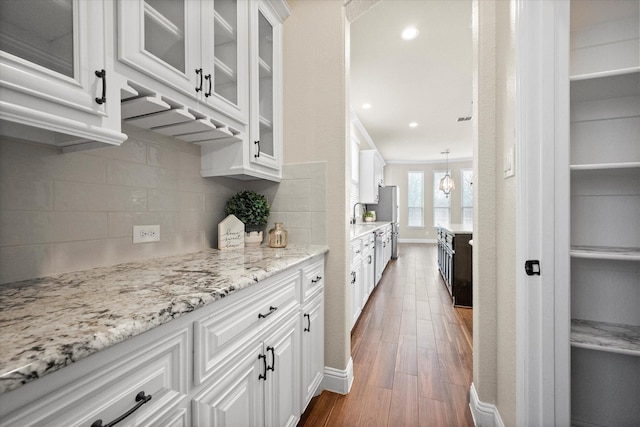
[(412, 354)]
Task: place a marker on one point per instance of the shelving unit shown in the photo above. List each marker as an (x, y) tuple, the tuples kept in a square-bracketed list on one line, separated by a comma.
[(605, 213)]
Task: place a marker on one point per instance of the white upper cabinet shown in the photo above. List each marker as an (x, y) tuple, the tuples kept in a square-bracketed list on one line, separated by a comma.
[(266, 76), (259, 156), (56, 74), (371, 175), (227, 55), (197, 48)]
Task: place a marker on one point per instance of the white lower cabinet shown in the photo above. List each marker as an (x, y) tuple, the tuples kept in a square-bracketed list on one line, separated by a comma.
[(260, 388), (152, 378), (312, 347), (254, 358)]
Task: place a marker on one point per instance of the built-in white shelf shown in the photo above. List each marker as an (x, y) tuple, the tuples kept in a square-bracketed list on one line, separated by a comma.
[(603, 166), (608, 73), (608, 337), (606, 252)]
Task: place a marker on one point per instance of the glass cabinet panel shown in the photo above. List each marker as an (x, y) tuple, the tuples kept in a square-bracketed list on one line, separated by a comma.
[(164, 31), (225, 74), (40, 31), (265, 65)]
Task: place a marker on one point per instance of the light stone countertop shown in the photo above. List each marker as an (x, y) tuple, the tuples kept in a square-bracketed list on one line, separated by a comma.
[(458, 228), (362, 228), (51, 322)]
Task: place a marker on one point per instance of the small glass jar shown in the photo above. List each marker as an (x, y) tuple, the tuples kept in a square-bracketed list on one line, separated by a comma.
[(278, 236)]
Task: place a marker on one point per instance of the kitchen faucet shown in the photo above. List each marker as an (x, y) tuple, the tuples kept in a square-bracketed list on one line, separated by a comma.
[(353, 219)]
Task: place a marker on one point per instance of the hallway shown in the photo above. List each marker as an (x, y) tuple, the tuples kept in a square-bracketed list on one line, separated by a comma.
[(411, 351)]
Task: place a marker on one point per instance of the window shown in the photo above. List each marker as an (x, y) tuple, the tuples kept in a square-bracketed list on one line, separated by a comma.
[(441, 203), (415, 196), (467, 196)]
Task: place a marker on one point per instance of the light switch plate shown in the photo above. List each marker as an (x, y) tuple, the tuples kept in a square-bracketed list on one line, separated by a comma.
[(509, 166), (146, 233)]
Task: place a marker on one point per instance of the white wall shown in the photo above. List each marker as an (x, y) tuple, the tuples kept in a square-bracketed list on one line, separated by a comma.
[(494, 334), (316, 128)]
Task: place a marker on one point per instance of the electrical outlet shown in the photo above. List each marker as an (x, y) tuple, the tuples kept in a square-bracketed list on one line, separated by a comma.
[(146, 233)]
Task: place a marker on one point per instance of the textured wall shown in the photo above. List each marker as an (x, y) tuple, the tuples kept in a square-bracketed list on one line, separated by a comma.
[(494, 361), (316, 128)]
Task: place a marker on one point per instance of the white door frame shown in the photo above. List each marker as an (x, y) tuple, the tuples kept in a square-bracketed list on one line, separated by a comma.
[(542, 212)]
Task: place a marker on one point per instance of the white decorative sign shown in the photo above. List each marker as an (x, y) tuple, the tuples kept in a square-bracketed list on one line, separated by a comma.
[(230, 233)]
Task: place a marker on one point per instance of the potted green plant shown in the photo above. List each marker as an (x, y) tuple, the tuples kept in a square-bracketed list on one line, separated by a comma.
[(369, 216), (253, 210)]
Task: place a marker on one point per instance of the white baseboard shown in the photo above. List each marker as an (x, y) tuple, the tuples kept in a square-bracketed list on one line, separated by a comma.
[(338, 381), (484, 414), (417, 241)]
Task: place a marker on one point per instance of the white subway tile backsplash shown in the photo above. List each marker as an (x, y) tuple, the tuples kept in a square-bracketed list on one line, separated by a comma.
[(136, 175), (66, 212), (131, 150), (26, 262), (75, 196), (27, 228), (27, 195), (162, 156)]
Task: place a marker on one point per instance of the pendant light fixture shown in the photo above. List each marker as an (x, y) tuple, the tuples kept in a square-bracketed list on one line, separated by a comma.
[(446, 183)]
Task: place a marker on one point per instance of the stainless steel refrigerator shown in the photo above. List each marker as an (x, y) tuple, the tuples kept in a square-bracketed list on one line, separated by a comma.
[(387, 209)]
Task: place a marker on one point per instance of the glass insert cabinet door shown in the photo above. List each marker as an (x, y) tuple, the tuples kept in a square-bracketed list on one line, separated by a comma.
[(164, 31), (53, 50), (161, 38), (40, 32), (265, 108), (225, 55)]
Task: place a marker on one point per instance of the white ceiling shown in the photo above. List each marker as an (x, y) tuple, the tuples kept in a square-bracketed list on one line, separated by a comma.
[(427, 80)]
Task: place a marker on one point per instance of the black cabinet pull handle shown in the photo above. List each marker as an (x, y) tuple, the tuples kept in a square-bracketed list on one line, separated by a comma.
[(102, 74), (308, 328), (353, 277), (258, 144), (271, 310), (370, 259), (264, 364), (317, 279), (199, 71), (273, 359), (141, 398), (208, 78)]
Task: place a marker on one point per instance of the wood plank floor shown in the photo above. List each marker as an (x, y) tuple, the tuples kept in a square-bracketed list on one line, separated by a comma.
[(411, 351)]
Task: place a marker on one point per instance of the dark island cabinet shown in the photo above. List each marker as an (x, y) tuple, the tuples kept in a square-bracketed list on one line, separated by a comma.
[(454, 262)]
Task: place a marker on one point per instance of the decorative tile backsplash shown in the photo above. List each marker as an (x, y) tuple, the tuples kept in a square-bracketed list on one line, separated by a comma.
[(73, 211)]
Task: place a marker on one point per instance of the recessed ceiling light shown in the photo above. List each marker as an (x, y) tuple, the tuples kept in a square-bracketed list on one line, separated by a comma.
[(413, 124), (366, 106), (410, 33)]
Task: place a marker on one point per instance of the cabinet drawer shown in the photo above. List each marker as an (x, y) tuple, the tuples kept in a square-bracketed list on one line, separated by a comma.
[(223, 333), (312, 279), (160, 371), (356, 249)]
